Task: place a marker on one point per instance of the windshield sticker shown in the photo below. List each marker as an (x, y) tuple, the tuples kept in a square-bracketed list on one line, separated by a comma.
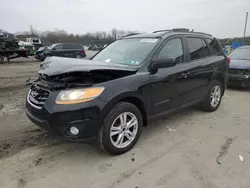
[(107, 60), (134, 62), (149, 40)]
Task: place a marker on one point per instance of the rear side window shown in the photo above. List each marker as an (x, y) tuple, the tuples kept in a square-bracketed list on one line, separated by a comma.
[(78, 46), (206, 48), (67, 46), (173, 48), (215, 46), (197, 48)]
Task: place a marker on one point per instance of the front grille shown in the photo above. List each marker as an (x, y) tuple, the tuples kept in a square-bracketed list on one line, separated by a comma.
[(37, 96)]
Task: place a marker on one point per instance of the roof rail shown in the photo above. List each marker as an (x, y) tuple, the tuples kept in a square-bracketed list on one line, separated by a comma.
[(159, 31), (179, 30), (200, 33), (131, 34)]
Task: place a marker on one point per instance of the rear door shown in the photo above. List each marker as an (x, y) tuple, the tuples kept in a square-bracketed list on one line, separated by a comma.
[(68, 50), (201, 67), (169, 84)]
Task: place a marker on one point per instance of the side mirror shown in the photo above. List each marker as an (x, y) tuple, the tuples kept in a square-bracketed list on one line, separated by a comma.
[(165, 62)]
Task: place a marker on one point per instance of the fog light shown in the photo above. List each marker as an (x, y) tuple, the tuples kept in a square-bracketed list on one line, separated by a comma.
[(74, 130)]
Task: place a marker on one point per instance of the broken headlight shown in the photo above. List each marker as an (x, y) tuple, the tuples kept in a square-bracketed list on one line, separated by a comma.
[(75, 96)]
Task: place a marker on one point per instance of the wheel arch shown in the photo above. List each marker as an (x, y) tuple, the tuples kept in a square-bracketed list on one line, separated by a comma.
[(132, 98), (79, 53), (220, 77)]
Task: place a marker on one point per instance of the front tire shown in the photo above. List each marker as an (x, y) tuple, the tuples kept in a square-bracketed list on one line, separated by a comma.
[(121, 129), (213, 99)]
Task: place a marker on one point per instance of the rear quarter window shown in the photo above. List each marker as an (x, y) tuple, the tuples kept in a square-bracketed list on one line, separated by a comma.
[(214, 46), (78, 46)]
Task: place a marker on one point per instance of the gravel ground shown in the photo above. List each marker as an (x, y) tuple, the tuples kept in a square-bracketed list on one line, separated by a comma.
[(190, 148)]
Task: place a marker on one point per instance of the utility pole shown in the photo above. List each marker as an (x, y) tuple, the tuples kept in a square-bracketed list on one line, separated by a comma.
[(245, 29)]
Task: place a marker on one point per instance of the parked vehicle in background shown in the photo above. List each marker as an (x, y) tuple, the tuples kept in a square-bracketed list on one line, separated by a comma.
[(134, 79), (8, 41), (9, 47), (63, 50), (35, 41), (101, 47), (239, 68), (90, 47), (39, 52), (28, 46)]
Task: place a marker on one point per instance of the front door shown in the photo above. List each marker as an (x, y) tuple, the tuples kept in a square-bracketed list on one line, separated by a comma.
[(58, 50), (169, 83)]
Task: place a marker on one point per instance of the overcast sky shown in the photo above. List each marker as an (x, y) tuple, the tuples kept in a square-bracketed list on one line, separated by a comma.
[(222, 18)]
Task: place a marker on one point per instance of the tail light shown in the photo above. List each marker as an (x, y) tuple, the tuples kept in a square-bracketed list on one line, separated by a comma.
[(228, 59), (84, 52)]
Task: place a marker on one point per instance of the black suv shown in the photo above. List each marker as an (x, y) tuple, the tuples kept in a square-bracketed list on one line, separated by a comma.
[(134, 79), (63, 50)]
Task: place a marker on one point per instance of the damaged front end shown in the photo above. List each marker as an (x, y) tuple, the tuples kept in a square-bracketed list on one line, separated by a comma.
[(63, 73), (79, 79), (56, 102), (44, 85), (239, 77)]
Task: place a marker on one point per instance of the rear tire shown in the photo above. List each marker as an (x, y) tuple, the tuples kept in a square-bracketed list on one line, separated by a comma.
[(213, 99), (116, 137), (78, 56)]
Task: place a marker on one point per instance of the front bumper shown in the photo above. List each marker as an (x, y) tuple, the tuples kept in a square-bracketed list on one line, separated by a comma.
[(57, 119), (239, 81)]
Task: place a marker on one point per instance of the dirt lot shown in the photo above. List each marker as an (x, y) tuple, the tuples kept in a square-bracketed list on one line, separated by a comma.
[(187, 149)]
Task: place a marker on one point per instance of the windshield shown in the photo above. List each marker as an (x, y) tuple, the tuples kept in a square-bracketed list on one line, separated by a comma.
[(240, 53), (52, 46), (127, 51)]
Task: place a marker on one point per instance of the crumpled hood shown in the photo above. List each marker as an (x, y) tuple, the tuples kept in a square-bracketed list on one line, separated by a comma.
[(239, 64), (57, 65)]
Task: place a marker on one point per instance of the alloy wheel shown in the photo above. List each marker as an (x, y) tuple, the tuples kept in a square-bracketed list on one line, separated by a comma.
[(124, 130), (215, 96)]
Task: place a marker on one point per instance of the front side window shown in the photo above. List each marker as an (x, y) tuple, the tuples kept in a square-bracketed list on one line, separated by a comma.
[(196, 47), (58, 47), (173, 48), (130, 52), (52, 46)]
